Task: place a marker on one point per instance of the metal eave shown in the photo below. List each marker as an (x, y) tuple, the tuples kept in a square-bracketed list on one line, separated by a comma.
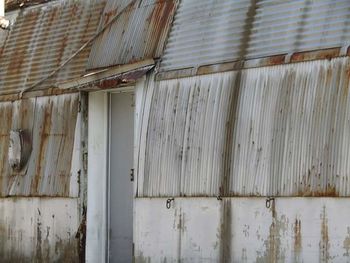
[(121, 73)]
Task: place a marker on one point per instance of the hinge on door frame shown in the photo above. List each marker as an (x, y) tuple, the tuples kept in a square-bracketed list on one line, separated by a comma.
[(132, 174)]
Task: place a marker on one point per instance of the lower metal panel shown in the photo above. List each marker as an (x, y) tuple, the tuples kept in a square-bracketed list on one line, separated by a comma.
[(39, 230), (243, 230)]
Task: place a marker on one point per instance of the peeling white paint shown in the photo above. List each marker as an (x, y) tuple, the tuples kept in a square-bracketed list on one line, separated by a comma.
[(38, 228), (193, 230)]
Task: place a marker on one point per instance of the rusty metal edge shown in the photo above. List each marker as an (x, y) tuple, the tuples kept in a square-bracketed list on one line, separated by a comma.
[(15, 5), (282, 59), (37, 93)]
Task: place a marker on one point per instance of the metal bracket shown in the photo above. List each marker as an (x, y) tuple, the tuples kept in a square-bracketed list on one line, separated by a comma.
[(268, 201), (168, 202)]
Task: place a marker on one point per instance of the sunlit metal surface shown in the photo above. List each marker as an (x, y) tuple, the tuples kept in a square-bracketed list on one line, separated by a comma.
[(42, 38), (207, 31), (138, 34), (280, 131)]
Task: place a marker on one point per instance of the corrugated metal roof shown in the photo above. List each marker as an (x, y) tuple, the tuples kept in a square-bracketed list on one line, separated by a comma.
[(16, 4), (5, 33), (281, 130), (138, 34), (42, 38), (210, 31), (52, 122)]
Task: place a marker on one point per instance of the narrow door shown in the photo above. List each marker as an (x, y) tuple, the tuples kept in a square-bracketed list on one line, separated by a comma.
[(121, 190)]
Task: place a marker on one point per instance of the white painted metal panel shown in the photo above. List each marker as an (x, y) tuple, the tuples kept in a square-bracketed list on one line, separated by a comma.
[(242, 230), (40, 229), (209, 31), (156, 231), (179, 233)]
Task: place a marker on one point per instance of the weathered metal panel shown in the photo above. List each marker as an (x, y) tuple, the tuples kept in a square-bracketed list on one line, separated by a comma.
[(44, 37), (209, 32), (242, 230), (274, 131), (187, 232), (39, 230), (17, 4), (138, 34), (51, 123), (5, 33)]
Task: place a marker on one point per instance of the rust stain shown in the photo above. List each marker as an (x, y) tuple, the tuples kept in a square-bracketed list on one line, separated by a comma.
[(19, 54), (159, 24), (278, 230), (226, 231), (297, 240), (46, 128), (74, 10), (81, 236), (346, 244), (324, 244), (108, 15), (275, 60), (314, 55), (11, 5)]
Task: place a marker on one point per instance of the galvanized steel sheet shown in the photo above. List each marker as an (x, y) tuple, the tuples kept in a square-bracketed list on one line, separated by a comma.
[(51, 123), (138, 34), (273, 131), (44, 37), (209, 32)]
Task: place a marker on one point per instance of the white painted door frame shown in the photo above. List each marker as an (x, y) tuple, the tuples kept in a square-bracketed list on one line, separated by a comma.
[(130, 89), (97, 241)]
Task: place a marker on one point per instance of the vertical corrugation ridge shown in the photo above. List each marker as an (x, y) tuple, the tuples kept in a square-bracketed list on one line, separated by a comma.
[(290, 138)]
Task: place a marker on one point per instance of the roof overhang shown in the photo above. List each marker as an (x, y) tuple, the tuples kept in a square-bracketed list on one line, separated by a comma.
[(110, 78)]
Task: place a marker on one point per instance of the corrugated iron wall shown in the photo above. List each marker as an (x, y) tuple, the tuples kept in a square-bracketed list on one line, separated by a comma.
[(53, 125), (44, 37), (273, 131), (209, 31), (138, 34)]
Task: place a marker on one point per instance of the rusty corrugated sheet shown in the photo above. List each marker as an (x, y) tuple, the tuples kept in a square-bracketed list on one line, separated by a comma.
[(5, 33), (273, 131), (208, 32), (42, 38), (51, 122), (138, 34), (16, 4)]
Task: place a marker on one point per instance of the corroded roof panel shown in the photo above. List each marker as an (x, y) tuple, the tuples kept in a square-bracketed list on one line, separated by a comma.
[(44, 37), (139, 33)]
